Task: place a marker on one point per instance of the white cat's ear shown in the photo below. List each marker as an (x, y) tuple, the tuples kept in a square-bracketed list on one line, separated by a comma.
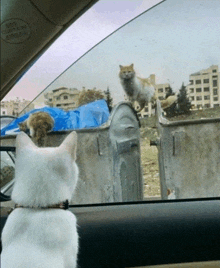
[(23, 141), (70, 144), (132, 65), (120, 66)]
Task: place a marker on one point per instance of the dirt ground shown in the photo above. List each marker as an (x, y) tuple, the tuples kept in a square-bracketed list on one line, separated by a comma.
[(150, 169), (149, 160)]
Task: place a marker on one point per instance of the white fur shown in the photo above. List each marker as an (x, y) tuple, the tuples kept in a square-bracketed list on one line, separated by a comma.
[(31, 131), (34, 237), (133, 84), (135, 88)]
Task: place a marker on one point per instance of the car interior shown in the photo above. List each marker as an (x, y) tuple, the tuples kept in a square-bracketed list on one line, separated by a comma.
[(121, 231)]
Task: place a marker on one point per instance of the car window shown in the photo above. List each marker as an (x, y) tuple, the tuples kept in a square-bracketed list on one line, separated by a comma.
[(168, 150)]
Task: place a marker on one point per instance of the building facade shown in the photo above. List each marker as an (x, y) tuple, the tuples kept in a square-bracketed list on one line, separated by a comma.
[(204, 89), (64, 98), (16, 107)]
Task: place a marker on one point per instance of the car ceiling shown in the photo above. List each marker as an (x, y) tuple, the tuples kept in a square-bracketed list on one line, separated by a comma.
[(28, 28)]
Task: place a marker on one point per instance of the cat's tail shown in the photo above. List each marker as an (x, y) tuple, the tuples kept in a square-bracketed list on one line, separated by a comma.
[(40, 132), (40, 136)]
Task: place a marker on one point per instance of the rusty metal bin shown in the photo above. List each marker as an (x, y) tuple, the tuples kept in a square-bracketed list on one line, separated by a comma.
[(108, 158), (189, 157)]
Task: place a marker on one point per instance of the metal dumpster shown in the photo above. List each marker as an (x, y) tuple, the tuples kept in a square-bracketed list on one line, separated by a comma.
[(108, 158), (189, 157)]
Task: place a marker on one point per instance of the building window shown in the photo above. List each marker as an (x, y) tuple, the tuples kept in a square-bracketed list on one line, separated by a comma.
[(191, 90), (206, 89), (198, 82), (58, 98), (207, 105), (215, 92), (207, 97), (216, 105), (65, 97), (214, 83), (146, 109), (214, 76), (3, 112), (58, 105), (215, 98), (160, 90), (199, 98), (192, 98), (50, 99), (214, 71), (205, 81), (199, 89), (191, 82)]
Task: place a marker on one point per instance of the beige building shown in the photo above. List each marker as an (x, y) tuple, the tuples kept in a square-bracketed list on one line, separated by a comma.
[(204, 89), (16, 107), (65, 98)]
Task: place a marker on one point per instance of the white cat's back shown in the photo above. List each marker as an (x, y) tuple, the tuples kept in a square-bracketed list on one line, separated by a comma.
[(40, 238)]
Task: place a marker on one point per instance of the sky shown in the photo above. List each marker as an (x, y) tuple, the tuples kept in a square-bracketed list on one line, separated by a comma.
[(172, 40), (98, 22)]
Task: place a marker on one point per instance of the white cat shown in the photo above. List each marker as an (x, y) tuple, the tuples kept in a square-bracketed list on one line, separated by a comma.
[(37, 233), (137, 89)]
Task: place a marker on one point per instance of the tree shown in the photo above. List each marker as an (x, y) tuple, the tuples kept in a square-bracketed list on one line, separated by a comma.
[(89, 95), (183, 101), (109, 99), (171, 111), (169, 92)]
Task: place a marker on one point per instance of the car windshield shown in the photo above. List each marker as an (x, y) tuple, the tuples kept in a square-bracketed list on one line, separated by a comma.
[(134, 145)]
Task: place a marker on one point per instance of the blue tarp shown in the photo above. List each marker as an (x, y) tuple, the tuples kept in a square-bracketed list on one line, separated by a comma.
[(91, 115)]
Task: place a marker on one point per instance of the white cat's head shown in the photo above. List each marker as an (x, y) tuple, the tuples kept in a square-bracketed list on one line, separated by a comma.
[(44, 176), (127, 72)]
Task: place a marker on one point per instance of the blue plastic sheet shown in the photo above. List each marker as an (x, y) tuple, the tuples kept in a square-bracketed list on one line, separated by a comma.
[(91, 115)]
